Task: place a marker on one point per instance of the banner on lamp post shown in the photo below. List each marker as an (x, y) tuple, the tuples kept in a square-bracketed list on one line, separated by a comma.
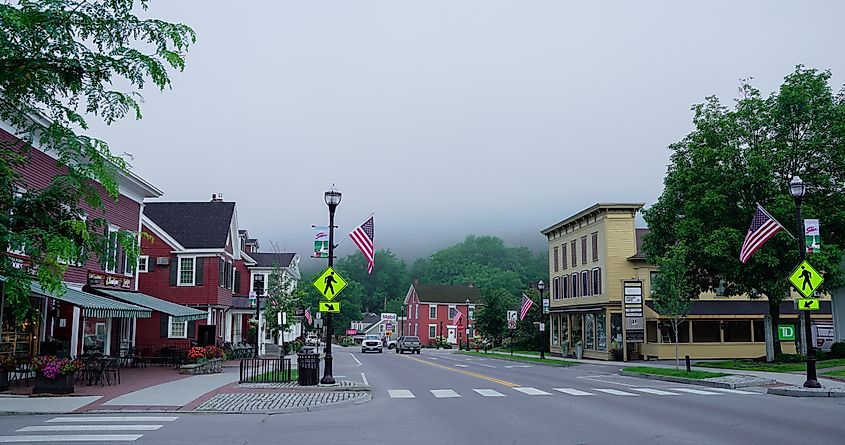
[(321, 242), (812, 236)]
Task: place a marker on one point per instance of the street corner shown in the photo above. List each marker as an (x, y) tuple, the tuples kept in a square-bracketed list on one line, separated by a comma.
[(280, 402), (800, 391)]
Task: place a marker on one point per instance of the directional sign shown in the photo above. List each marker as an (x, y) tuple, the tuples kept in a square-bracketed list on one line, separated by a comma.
[(329, 283), (805, 279), (808, 304), (328, 306), (512, 316), (786, 332)]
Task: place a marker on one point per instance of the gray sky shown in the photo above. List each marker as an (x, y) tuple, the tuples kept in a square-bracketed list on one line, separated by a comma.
[(449, 118)]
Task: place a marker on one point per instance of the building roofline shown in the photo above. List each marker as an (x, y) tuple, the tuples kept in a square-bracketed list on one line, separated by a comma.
[(599, 206)]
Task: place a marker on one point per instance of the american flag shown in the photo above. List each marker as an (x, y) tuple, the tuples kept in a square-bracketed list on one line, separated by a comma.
[(763, 227), (457, 318), (308, 315), (526, 304), (362, 236)]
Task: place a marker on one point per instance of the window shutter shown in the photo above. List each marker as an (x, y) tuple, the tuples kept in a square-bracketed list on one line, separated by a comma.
[(589, 283), (174, 270), (237, 288), (557, 267), (221, 279), (192, 327), (599, 274), (198, 265), (164, 321)]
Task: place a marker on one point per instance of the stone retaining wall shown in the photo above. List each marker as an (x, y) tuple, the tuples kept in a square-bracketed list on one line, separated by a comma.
[(212, 366)]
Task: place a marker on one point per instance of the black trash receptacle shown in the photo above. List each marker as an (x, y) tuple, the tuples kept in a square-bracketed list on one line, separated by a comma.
[(308, 367)]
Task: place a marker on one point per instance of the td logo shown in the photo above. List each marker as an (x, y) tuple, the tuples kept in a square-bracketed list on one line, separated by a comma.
[(786, 332)]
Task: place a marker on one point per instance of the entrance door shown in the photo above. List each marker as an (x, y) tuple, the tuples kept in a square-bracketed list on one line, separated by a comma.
[(452, 338)]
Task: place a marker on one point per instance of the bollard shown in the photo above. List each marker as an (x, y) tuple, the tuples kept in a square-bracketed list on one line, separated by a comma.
[(688, 368)]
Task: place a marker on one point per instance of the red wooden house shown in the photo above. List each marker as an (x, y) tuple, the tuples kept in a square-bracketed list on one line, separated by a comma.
[(430, 311)]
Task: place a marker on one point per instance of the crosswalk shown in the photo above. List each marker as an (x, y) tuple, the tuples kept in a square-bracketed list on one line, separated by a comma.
[(89, 429), (529, 391)]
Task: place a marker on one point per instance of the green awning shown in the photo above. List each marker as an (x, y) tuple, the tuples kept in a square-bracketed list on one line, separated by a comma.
[(93, 305), (177, 311)]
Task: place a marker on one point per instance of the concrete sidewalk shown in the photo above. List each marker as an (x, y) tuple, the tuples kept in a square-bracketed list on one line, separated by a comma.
[(177, 393)]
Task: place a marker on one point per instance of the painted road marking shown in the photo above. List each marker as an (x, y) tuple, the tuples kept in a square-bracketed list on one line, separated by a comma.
[(111, 419), (696, 391), (655, 391), (400, 394), (532, 391), (516, 366), (732, 391), (469, 373), (72, 438), (597, 379), (364, 378), (460, 365), (356, 359), (489, 392), (101, 427), (444, 393), (615, 392), (573, 392)]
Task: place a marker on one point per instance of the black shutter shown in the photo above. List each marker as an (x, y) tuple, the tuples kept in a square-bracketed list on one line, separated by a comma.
[(192, 327), (174, 270), (198, 263), (220, 277), (237, 288), (164, 320)]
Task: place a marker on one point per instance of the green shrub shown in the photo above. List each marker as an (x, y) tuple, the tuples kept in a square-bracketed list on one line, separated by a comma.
[(838, 350), (820, 355)]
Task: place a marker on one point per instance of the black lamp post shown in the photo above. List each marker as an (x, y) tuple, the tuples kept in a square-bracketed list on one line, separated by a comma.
[(467, 331), (541, 286), (797, 189), (402, 325), (257, 321), (332, 198)]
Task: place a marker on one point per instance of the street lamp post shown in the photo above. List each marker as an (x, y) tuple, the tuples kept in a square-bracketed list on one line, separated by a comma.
[(332, 198), (402, 326), (541, 286), (467, 328), (797, 189), (257, 321)]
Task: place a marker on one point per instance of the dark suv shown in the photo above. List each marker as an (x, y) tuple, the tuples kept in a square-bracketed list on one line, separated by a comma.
[(408, 343)]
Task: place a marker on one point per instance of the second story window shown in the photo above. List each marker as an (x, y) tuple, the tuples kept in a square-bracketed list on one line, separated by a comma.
[(583, 250), (143, 263), (432, 311), (187, 270), (110, 262), (595, 239), (452, 311), (573, 250), (555, 260), (258, 284)]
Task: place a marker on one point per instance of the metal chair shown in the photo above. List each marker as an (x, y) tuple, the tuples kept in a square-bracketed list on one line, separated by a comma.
[(111, 367)]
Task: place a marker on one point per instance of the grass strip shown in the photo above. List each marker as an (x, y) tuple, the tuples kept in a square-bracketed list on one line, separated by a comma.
[(274, 376), (516, 358), (698, 375), (751, 365), (840, 373)]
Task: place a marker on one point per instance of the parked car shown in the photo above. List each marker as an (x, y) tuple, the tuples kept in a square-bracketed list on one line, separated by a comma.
[(408, 343), (312, 340), (391, 343), (371, 343)]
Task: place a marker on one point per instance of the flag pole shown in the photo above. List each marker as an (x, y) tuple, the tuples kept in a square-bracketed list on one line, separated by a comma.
[(775, 220)]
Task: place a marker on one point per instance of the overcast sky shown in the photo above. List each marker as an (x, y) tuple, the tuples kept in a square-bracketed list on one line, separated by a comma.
[(449, 118)]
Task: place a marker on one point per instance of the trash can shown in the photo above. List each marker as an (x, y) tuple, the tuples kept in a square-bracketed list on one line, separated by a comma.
[(308, 367)]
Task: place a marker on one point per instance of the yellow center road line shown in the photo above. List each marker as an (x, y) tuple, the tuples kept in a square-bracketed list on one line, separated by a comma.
[(469, 373)]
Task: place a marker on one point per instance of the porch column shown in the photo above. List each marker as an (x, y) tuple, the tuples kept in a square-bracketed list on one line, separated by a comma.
[(74, 336)]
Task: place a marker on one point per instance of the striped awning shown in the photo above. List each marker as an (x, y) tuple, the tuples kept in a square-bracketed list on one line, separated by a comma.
[(93, 305), (177, 311)]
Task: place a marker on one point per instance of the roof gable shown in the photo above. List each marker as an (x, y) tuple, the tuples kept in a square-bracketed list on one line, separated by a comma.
[(263, 259), (441, 293), (195, 225)]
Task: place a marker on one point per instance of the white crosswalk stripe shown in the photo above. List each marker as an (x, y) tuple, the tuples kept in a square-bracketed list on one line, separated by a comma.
[(444, 393), (656, 392), (400, 394), (697, 391), (67, 429), (733, 391), (614, 392), (573, 392), (489, 392), (532, 391)]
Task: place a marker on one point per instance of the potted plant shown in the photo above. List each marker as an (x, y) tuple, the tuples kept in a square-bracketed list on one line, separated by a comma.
[(7, 364), (616, 350), (53, 374), (579, 350), (198, 354)]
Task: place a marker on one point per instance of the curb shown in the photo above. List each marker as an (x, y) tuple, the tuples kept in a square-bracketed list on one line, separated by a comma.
[(699, 382), (798, 391), (563, 364)]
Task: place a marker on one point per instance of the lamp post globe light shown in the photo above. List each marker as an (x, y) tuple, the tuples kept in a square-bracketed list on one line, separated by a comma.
[(541, 286), (332, 198), (797, 190)]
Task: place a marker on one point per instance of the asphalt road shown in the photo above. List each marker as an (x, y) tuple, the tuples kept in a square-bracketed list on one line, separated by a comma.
[(439, 397)]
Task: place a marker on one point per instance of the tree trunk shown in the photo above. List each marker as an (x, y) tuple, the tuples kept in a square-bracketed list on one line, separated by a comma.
[(675, 324), (774, 311)]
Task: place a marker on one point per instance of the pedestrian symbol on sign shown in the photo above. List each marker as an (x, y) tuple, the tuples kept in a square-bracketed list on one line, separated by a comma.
[(805, 279)]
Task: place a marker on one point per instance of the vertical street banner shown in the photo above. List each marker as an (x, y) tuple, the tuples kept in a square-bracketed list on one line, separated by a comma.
[(812, 236), (321, 242)]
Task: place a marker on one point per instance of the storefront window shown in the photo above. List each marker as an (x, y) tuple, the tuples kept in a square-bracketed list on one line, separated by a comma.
[(577, 324), (706, 331), (555, 332), (601, 332), (737, 331), (651, 331), (759, 331), (667, 334), (616, 328), (589, 333), (564, 332), (94, 337)]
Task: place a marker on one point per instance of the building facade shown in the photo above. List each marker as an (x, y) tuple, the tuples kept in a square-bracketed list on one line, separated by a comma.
[(430, 310), (601, 298)]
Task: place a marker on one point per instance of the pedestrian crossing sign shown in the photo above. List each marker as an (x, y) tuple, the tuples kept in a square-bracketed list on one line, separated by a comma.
[(330, 306), (329, 283), (805, 279)]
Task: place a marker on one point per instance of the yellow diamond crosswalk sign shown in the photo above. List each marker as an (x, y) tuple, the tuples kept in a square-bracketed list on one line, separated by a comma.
[(805, 279), (329, 283), (330, 306)]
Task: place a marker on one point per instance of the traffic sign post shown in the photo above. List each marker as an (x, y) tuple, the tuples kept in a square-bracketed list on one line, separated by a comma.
[(329, 283)]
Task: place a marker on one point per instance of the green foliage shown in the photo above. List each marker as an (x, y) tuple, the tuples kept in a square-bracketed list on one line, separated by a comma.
[(837, 350), (60, 60), (387, 284), (350, 302), (735, 158), (282, 297), (491, 318)]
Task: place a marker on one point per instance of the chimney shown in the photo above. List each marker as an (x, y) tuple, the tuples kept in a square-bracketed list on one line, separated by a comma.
[(216, 197), (471, 284), (416, 282)]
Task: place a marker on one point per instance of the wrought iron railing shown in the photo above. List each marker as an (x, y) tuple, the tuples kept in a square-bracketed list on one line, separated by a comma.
[(253, 370)]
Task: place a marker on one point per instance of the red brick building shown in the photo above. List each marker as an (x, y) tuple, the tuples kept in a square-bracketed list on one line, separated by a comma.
[(430, 310)]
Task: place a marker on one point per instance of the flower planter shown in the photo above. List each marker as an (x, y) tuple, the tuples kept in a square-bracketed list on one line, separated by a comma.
[(62, 384), (4, 380)]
